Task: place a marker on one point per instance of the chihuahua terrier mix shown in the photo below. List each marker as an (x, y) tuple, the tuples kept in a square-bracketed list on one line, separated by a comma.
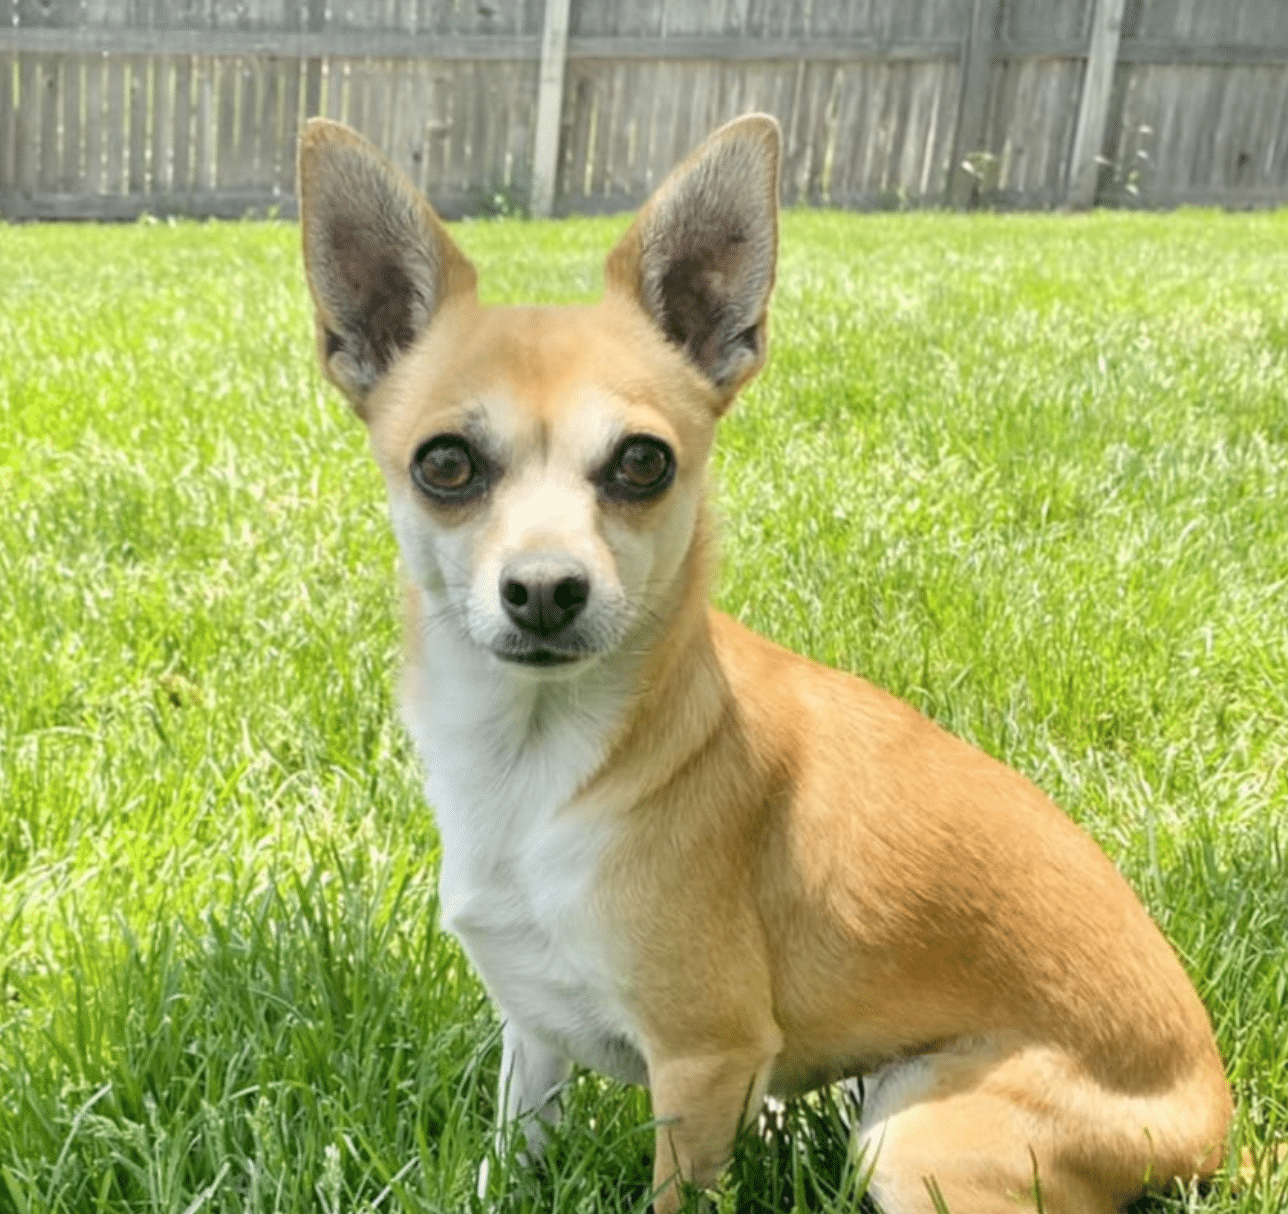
[(675, 852)]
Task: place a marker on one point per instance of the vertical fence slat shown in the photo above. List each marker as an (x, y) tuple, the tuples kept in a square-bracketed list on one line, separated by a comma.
[(95, 66), (203, 141), (162, 148), (8, 140), (71, 115), (976, 65), (181, 179), (27, 151), (248, 123), (274, 152), (225, 119), (290, 70), (50, 74), (1093, 108), (139, 90), (550, 98), (116, 119)]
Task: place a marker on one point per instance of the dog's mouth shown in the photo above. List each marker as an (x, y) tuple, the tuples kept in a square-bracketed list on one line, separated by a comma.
[(540, 657)]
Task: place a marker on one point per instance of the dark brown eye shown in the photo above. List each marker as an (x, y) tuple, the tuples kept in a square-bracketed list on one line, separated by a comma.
[(642, 464), (642, 468), (446, 468)]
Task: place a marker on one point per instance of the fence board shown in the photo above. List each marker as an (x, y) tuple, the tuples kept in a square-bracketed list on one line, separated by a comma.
[(227, 172), (49, 83), (70, 111), (8, 141), (1093, 105), (95, 68), (976, 72), (27, 151), (181, 153), (203, 126), (138, 90), (162, 122)]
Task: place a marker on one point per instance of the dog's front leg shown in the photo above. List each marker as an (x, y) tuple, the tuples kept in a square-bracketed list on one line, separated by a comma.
[(699, 1103), (531, 1076), (527, 1091)]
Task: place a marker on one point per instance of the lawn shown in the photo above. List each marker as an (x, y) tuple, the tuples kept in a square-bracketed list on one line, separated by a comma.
[(1029, 472)]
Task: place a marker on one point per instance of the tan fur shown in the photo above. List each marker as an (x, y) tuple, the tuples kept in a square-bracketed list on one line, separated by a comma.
[(803, 879)]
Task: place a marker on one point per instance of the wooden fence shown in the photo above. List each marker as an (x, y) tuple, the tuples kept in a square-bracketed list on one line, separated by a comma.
[(112, 108)]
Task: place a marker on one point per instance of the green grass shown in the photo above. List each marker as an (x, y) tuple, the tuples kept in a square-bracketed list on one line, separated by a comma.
[(1029, 472)]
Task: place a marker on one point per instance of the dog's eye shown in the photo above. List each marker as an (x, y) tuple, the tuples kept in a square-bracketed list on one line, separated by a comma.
[(445, 467), (643, 467)]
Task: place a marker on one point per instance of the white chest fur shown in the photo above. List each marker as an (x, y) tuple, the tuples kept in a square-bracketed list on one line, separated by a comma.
[(505, 755)]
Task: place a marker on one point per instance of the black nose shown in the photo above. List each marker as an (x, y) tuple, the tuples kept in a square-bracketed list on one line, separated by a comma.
[(543, 592)]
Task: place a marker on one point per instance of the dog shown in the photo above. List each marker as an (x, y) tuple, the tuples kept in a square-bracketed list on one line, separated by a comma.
[(675, 852)]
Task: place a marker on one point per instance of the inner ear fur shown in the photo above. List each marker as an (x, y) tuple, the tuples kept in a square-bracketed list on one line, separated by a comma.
[(379, 262), (700, 256)]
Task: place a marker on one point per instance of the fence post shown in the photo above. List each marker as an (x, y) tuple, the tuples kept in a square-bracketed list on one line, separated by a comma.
[(976, 64), (550, 90), (1093, 108)]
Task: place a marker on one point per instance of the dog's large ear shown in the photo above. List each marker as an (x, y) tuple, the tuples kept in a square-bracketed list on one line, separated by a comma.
[(699, 258), (378, 261)]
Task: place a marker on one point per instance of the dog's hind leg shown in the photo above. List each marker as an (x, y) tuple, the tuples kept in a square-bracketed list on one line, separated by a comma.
[(969, 1129)]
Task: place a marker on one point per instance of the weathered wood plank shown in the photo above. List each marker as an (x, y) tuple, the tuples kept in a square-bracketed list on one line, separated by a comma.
[(550, 106), (271, 151), (227, 173), (290, 70), (976, 61), (438, 125), (472, 48), (72, 176), (481, 48), (162, 153), (585, 170), (249, 124), (49, 78), (376, 78), (181, 167), (8, 140), (27, 151), (95, 69), (139, 101), (1093, 107), (354, 110), (406, 115), (204, 138), (458, 178), (115, 131)]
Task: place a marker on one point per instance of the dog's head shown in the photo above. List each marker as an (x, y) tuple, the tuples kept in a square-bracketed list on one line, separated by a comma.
[(545, 464)]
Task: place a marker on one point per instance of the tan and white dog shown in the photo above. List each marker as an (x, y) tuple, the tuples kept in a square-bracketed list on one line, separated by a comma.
[(677, 853)]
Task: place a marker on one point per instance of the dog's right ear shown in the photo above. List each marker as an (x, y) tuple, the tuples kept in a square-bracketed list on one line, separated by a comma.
[(378, 261)]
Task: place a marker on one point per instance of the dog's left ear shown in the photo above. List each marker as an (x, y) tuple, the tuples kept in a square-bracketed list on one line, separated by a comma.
[(699, 258)]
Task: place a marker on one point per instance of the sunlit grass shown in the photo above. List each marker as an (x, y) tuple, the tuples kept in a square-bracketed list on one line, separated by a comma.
[(1029, 472)]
